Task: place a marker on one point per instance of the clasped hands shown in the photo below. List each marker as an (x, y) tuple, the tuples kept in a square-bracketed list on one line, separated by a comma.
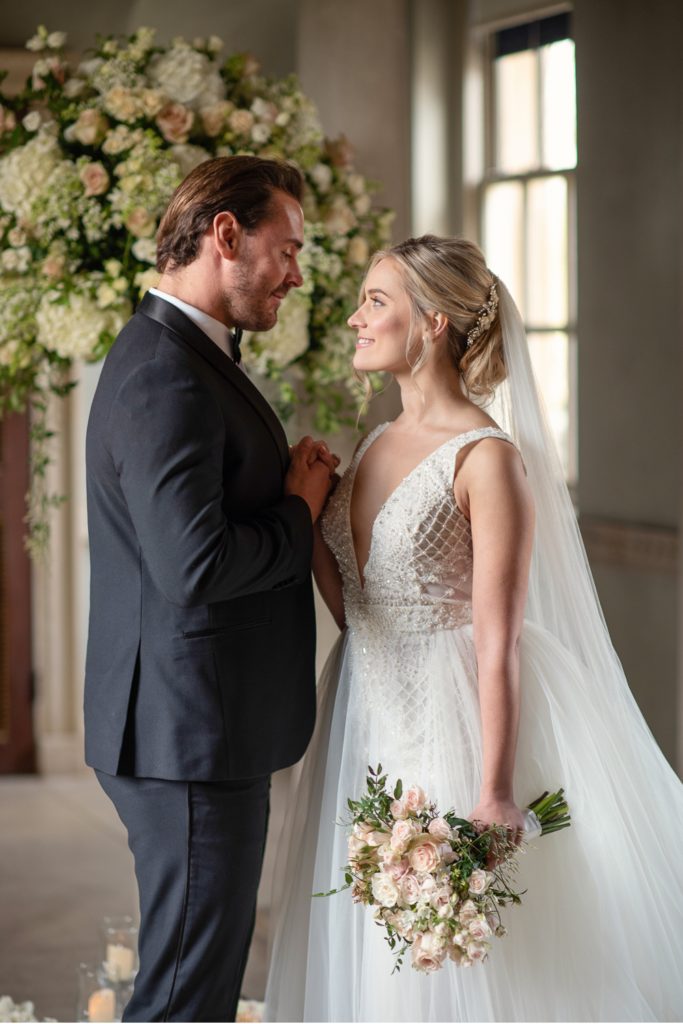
[(312, 473)]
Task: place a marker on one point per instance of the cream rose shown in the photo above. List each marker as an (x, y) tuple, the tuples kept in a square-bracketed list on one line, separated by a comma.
[(174, 121), (384, 890), (424, 855), (90, 128), (359, 252), (53, 266), (94, 178), (467, 912), (215, 117), (480, 881), (122, 104), (479, 928), (241, 121), (140, 222)]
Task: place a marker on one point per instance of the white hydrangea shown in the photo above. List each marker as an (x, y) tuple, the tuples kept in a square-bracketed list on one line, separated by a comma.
[(187, 76), (25, 171), (287, 340), (188, 156), (71, 326)]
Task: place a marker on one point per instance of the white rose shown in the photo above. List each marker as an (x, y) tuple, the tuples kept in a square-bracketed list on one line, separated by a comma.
[(16, 236), (260, 133), (122, 104), (145, 250), (56, 40), (322, 175), (32, 121), (356, 184), (362, 205), (147, 279), (106, 296), (384, 890), (73, 87), (480, 881), (89, 129)]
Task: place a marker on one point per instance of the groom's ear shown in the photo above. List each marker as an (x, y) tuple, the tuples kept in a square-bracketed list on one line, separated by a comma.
[(227, 234)]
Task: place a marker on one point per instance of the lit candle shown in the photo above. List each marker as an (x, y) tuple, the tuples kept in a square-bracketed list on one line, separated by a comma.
[(120, 962), (102, 1005)]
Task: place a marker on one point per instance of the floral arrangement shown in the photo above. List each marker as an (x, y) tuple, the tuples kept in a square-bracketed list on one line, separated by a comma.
[(89, 157), (438, 881), (11, 1011)]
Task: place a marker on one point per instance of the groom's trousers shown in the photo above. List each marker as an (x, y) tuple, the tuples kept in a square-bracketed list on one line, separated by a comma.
[(198, 850)]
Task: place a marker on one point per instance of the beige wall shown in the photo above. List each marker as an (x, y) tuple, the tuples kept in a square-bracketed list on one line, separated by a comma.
[(630, 207)]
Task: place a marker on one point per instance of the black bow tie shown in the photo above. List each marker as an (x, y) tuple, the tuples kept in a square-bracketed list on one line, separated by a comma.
[(236, 337)]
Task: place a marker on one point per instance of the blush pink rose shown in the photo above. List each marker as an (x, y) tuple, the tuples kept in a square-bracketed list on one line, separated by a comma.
[(409, 888), (477, 951), (479, 928), (467, 912), (428, 952), (94, 178), (401, 834), (415, 799), (174, 121), (397, 868), (384, 890), (439, 828), (424, 855), (398, 809)]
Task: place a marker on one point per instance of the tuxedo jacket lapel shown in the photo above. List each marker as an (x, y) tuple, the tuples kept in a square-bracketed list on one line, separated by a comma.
[(180, 325)]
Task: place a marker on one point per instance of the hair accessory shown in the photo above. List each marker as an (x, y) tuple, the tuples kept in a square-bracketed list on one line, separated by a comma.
[(486, 315)]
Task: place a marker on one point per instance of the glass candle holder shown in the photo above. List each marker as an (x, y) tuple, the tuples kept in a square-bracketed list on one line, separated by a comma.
[(120, 959), (96, 997)]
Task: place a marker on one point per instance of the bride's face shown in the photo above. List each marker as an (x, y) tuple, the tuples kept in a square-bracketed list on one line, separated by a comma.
[(382, 322)]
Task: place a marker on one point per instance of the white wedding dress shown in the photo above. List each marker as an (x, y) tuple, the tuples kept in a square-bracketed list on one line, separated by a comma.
[(599, 934)]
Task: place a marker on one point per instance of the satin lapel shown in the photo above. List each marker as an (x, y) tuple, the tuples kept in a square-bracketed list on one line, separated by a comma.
[(175, 320)]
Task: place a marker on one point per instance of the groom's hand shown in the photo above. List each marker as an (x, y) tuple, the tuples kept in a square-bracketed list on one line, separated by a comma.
[(309, 474)]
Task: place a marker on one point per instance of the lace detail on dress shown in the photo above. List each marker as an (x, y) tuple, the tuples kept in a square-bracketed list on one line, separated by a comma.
[(417, 580)]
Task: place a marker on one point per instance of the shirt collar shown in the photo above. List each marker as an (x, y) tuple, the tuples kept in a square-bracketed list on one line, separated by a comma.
[(214, 329)]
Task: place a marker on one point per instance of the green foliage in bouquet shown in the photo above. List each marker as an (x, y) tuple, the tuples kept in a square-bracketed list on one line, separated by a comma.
[(89, 157)]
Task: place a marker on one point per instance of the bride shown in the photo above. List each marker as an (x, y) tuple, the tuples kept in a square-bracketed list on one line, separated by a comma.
[(474, 661)]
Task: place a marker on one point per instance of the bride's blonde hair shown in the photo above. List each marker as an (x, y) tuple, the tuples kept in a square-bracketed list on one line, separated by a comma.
[(450, 276)]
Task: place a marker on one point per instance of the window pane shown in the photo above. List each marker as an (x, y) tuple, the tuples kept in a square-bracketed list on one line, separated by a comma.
[(547, 252), (550, 358), (517, 114), (559, 105), (504, 235)]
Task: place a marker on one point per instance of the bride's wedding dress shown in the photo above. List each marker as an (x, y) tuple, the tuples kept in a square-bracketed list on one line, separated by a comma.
[(598, 936)]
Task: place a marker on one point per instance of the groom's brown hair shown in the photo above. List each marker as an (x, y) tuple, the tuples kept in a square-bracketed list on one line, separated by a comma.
[(244, 185)]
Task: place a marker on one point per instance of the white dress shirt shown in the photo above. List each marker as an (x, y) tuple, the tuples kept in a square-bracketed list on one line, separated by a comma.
[(214, 329)]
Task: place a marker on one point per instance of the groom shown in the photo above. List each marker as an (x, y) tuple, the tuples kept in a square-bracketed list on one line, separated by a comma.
[(200, 664)]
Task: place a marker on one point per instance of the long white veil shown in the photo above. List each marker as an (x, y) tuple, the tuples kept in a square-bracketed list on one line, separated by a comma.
[(562, 596)]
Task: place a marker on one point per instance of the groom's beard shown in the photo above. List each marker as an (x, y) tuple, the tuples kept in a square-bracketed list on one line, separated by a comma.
[(250, 303)]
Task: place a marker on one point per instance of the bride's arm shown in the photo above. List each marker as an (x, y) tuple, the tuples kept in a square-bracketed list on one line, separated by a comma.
[(327, 576), (493, 488)]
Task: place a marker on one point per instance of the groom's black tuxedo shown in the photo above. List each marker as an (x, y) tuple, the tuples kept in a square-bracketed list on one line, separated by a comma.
[(200, 663), (200, 659)]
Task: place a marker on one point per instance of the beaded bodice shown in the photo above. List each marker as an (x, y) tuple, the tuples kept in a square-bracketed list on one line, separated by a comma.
[(418, 576)]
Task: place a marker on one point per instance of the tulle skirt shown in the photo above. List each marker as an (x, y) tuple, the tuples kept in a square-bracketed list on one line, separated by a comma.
[(599, 935)]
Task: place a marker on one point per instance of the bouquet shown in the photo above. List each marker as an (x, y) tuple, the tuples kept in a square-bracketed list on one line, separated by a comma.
[(438, 881)]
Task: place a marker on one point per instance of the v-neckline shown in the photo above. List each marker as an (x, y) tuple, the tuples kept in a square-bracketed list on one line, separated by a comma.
[(358, 458)]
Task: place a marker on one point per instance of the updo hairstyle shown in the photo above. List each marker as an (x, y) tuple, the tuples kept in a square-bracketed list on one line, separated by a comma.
[(450, 276)]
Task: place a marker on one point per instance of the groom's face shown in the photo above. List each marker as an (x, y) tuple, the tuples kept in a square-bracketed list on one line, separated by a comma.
[(267, 267)]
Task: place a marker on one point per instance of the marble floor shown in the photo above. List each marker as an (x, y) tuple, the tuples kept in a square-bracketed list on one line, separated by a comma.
[(64, 865)]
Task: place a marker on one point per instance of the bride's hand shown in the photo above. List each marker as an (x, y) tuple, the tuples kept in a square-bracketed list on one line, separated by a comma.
[(492, 811)]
